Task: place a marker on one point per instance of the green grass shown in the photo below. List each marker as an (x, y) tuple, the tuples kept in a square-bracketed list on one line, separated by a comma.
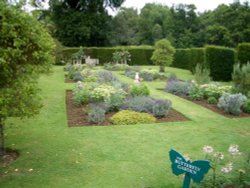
[(111, 156)]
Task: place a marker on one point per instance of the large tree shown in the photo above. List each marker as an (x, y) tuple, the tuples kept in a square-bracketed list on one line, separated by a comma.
[(82, 22), (25, 51)]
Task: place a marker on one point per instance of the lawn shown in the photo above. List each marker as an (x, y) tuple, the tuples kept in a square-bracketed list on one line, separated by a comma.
[(53, 155)]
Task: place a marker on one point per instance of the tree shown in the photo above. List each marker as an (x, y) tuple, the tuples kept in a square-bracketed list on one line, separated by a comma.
[(163, 54), (25, 52), (82, 22)]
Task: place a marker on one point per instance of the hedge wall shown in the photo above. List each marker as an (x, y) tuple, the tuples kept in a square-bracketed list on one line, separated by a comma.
[(139, 55), (221, 61), (181, 59), (244, 53), (197, 56)]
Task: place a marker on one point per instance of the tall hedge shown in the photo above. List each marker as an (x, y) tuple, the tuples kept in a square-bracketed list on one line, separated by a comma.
[(139, 55), (197, 56), (181, 59), (221, 61), (244, 53)]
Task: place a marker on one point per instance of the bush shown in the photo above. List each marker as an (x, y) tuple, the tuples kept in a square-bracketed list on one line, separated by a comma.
[(96, 115), (179, 87), (215, 90), (106, 77), (81, 95), (149, 74), (78, 76), (196, 56), (115, 67), (196, 93), (212, 100), (127, 117), (202, 74), (241, 78), (139, 90), (232, 103), (172, 77), (246, 106), (161, 108), (221, 61), (244, 53), (114, 102), (139, 104)]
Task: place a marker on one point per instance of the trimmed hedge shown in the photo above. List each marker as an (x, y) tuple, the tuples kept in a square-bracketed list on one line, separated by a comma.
[(244, 53), (197, 56), (221, 61), (181, 59), (139, 55)]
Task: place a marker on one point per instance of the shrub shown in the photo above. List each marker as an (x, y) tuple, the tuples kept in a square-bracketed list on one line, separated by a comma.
[(81, 95), (161, 108), (130, 74), (115, 67), (212, 100), (244, 53), (215, 90), (202, 74), (246, 106), (241, 78), (106, 77), (179, 87), (114, 102), (126, 117), (172, 77), (221, 61), (139, 90), (232, 103), (196, 93), (196, 56), (96, 115), (139, 104), (149, 74)]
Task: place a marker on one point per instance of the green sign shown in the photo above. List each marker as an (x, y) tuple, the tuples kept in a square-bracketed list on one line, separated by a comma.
[(193, 170)]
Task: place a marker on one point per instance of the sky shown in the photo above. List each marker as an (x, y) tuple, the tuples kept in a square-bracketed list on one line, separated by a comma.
[(201, 5)]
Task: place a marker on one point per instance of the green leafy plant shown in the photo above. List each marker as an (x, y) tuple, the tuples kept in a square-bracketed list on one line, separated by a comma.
[(139, 90), (114, 102), (202, 74), (212, 100), (96, 115), (149, 74), (196, 93), (232, 103), (215, 90), (127, 117), (246, 106)]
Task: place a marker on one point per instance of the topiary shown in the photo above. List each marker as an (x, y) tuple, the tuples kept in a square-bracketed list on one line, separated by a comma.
[(96, 115), (161, 108), (212, 100), (139, 90), (246, 106), (232, 103), (126, 117)]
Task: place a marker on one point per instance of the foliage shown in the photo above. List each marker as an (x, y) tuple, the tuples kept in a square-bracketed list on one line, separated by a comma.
[(243, 53), (105, 76), (114, 102), (197, 56), (77, 76), (202, 74), (73, 69), (246, 106), (196, 93), (81, 95), (96, 115), (121, 57), (127, 117), (149, 74), (172, 77), (139, 90), (241, 78), (161, 108), (181, 59), (163, 54), (139, 104), (177, 87), (78, 56), (221, 61), (215, 90), (232, 103), (212, 100), (115, 67), (25, 52)]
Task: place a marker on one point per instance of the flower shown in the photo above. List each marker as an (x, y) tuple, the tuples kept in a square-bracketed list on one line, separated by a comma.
[(219, 155), (234, 150), (208, 149), (228, 168)]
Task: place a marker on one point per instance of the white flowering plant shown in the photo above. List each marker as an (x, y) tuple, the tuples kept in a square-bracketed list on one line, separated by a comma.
[(229, 169)]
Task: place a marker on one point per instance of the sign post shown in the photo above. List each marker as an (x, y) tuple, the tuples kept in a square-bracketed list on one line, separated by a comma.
[(193, 170)]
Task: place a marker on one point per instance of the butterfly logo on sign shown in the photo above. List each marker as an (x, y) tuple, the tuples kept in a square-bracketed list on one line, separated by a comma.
[(193, 170)]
